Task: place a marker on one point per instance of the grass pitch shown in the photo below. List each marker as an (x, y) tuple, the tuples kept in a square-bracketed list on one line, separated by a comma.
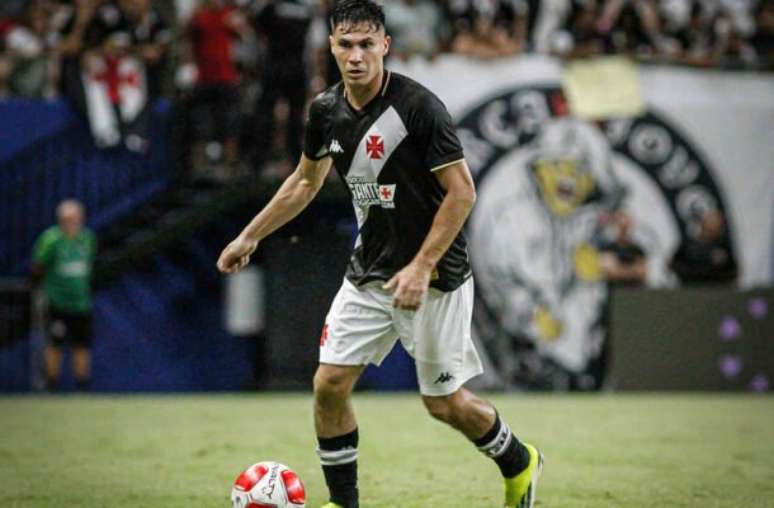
[(601, 451)]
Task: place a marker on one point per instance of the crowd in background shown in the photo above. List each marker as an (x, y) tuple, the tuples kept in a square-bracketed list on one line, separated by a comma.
[(254, 62)]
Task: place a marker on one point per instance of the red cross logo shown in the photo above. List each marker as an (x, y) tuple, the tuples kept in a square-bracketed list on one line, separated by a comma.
[(386, 192), (114, 79), (375, 146), (324, 335)]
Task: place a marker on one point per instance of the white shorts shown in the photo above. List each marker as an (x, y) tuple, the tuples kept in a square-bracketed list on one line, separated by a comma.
[(362, 327)]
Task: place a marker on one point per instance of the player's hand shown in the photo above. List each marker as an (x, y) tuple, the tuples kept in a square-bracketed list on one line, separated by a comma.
[(236, 254), (409, 286)]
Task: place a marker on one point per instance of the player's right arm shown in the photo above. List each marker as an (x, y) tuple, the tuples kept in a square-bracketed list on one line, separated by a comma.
[(295, 194)]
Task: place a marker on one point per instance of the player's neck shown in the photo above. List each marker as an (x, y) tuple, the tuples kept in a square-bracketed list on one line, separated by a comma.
[(359, 96)]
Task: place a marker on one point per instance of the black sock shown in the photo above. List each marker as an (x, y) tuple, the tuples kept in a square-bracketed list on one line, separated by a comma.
[(501, 445), (338, 456)]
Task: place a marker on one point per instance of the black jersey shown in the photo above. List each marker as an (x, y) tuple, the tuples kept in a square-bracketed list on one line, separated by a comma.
[(386, 154)]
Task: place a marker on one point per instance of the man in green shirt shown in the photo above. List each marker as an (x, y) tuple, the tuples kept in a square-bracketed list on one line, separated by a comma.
[(63, 258)]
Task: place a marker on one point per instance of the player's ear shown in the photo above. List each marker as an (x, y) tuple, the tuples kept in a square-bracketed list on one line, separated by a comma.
[(387, 42)]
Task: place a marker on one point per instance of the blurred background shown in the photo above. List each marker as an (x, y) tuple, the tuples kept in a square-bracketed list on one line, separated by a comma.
[(623, 236)]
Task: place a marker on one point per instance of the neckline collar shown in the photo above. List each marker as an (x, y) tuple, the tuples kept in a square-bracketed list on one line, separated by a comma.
[(374, 99)]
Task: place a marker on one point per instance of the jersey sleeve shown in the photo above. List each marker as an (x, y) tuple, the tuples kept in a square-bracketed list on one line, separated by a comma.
[(315, 147), (93, 245), (436, 134), (43, 249)]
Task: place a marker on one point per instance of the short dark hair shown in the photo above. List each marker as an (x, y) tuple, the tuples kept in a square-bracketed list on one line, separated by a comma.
[(354, 12)]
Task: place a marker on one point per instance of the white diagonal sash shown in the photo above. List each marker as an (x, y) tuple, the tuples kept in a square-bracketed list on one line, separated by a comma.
[(391, 131)]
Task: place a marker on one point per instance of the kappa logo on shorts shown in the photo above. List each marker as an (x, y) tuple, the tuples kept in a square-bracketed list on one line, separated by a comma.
[(445, 377)]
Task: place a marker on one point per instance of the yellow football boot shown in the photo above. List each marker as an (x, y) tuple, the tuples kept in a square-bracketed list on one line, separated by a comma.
[(520, 490)]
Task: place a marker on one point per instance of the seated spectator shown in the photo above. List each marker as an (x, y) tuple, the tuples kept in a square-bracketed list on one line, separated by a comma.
[(487, 29), (705, 256), (415, 26)]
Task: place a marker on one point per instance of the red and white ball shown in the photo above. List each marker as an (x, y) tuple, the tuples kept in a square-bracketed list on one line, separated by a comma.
[(268, 485)]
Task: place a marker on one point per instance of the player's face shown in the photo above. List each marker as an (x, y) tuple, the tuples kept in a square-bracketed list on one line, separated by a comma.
[(71, 220), (359, 51)]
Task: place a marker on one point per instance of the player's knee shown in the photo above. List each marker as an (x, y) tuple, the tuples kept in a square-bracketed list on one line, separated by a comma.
[(331, 386), (441, 408)]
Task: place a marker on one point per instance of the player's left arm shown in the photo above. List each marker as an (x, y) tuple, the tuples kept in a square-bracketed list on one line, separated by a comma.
[(410, 285)]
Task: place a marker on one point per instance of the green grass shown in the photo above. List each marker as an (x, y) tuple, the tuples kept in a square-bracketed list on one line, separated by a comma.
[(601, 451)]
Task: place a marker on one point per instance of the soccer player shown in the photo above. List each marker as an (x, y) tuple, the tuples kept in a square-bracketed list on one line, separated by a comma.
[(63, 257), (393, 143)]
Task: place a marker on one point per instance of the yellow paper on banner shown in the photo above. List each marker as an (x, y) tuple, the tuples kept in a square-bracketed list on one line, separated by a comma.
[(603, 88)]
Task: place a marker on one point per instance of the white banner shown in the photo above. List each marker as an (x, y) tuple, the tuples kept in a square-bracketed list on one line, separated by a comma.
[(568, 204)]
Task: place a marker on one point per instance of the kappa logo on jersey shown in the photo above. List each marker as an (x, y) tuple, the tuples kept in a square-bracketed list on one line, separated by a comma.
[(375, 146), (335, 147), (366, 193)]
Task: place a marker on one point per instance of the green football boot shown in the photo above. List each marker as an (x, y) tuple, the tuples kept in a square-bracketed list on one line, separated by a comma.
[(520, 490)]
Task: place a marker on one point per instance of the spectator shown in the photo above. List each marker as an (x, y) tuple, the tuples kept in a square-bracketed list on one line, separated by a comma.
[(151, 37), (63, 258), (622, 261), (6, 69), (763, 39), (121, 67), (415, 27), (27, 44), (70, 39), (632, 27), (283, 26), (698, 43), (705, 256), (211, 34), (488, 28), (325, 72), (579, 37), (735, 51)]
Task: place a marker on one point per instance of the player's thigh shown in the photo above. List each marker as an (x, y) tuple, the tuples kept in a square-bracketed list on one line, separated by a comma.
[(358, 329), (57, 328), (441, 341)]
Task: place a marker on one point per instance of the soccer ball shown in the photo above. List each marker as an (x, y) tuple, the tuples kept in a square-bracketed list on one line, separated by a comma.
[(268, 485)]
